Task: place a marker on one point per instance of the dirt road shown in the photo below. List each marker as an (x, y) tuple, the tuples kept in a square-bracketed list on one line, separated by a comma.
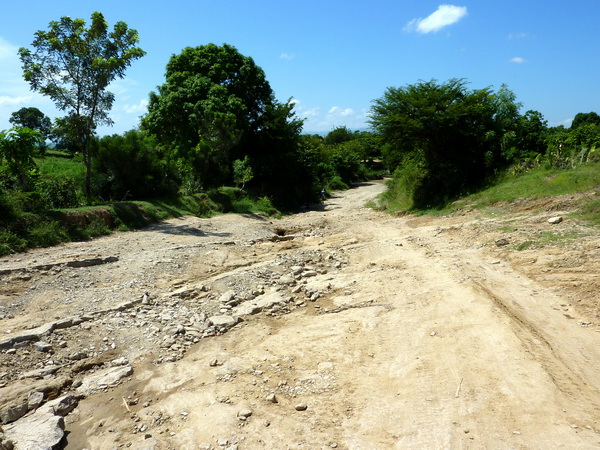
[(358, 330)]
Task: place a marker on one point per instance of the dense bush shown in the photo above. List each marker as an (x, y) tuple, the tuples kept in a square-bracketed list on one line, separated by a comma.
[(132, 167)]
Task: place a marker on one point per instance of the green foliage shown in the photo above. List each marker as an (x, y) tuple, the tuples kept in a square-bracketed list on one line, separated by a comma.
[(242, 172), (285, 169), (213, 100), (11, 243), (580, 119), (337, 184), (33, 119), (73, 65), (132, 166), (452, 133), (215, 108), (546, 238), (18, 146), (339, 135), (58, 193), (589, 210), (403, 186), (347, 157)]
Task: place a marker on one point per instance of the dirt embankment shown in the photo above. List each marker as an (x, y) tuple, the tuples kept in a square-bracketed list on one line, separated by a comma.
[(340, 327)]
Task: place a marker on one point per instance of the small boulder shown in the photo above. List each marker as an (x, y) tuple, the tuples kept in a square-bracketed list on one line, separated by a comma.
[(244, 414), (555, 220), (502, 242)]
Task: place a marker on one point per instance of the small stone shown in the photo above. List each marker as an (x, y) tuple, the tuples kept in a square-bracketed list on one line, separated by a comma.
[(502, 242), (301, 407), (555, 220), (34, 400), (433, 333), (122, 361), (43, 347), (271, 398), (245, 413)]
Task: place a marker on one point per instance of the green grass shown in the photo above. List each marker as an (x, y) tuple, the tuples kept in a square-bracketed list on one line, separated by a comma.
[(61, 164), (547, 238), (43, 229), (536, 184), (589, 211)]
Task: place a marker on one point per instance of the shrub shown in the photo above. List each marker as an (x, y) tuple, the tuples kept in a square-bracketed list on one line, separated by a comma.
[(11, 243), (336, 183), (59, 192)]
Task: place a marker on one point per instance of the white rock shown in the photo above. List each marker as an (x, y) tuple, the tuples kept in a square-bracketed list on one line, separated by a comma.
[(555, 220), (103, 379), (223, 321)]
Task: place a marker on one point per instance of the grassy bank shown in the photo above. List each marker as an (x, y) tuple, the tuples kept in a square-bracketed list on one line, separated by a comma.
[(510, 189), (22, 230)]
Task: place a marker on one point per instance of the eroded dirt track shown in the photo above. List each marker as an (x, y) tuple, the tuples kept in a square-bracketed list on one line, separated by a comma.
[(359, 330)]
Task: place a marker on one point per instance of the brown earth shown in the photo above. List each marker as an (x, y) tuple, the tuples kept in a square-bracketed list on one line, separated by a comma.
[(375, 331)]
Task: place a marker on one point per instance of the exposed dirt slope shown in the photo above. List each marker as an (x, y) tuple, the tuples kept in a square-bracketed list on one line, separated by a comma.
[(359, 330)]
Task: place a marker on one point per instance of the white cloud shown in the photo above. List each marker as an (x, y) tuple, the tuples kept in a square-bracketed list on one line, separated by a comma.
[(442, 17), (310, 112), (518, 60), (7, 100), (517, 35), (7, 50), (287, 56), (140, 107), (337, 111)]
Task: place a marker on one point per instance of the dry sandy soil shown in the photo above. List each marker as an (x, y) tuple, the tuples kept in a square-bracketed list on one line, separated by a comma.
[(340, 327)]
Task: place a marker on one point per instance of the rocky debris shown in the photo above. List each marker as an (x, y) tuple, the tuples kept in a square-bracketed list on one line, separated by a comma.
[(555, 220), (43, 347), (301, 407), (44, 330), (75, 263), (92, 261), (44, 428), (223, 322), (502, 242), (16, 401), (103, 379), (107, 320)]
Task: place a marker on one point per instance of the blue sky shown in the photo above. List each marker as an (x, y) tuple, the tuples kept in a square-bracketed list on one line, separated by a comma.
[(335, 57)]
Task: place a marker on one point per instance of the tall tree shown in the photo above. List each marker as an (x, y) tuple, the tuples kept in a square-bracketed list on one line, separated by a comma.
[(212, 102), (445, 130), (585, 118), (33, 119), (74, 66)]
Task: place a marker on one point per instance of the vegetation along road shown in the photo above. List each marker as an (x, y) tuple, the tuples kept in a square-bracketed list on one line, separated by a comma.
[(340, 327)]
